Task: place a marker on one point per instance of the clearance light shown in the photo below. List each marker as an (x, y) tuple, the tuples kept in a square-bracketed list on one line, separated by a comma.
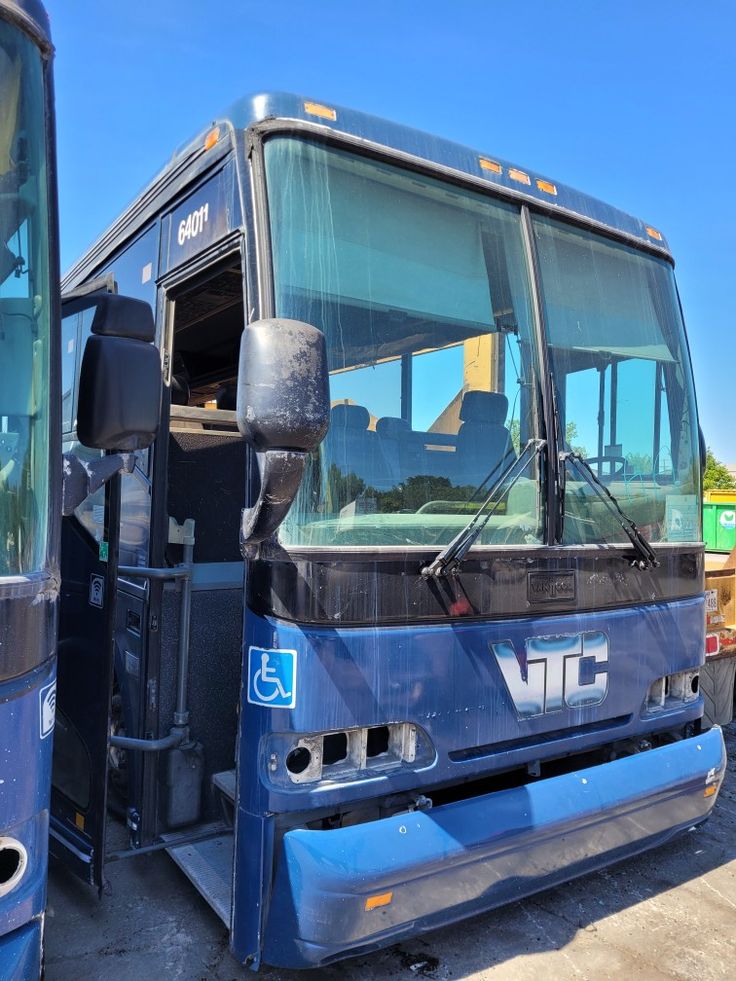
[(547, 186), (712, 644), (519, 176), (375, 902), (212, 137), (324, 112), (486, 164), (708, 792), (653, 233)]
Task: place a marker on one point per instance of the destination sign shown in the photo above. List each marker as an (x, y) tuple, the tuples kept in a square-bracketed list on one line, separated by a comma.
[(201, 219)]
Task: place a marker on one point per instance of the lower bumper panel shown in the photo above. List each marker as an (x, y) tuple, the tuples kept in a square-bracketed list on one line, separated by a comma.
[(463, 858), (20, 952)]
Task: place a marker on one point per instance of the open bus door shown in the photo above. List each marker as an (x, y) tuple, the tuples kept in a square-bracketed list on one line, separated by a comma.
[(117, 391)]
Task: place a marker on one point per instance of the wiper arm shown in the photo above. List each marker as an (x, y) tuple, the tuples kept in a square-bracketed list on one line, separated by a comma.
[(452, 555), (646, 557)]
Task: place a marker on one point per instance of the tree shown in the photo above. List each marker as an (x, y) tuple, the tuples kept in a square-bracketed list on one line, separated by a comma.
[(716, 476), (571, 433)]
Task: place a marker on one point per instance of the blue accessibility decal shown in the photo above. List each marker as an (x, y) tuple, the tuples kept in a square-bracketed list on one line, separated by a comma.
[(271, 677)]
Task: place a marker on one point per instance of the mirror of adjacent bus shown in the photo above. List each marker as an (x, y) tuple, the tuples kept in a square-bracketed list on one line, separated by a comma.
[(283, 413), (120, 382), (119, 401)]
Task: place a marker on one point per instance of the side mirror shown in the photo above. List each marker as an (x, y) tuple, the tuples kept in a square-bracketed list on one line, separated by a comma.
[(119, 402), (119, 405), (283, 413)]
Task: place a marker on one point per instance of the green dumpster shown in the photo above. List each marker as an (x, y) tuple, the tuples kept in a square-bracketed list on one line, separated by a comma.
[(719, 526)]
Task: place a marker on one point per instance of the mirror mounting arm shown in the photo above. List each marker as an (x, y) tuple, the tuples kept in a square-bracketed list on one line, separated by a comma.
[(280, 473), (83, 477)]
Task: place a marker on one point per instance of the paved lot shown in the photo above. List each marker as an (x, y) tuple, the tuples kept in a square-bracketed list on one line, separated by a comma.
[(668, 914)]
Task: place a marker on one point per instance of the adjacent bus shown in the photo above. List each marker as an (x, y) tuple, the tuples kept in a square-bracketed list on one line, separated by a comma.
[(29, 555), (117, 413), (409, 616)]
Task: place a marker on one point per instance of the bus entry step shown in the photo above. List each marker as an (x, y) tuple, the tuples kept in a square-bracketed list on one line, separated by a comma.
[(225, 783), (209, 866)]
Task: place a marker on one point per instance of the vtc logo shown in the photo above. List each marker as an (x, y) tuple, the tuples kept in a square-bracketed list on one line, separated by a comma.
[(556, 672)]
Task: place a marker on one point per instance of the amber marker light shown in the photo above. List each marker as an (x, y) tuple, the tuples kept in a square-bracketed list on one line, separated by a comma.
[(212, 137), (653, 233), (375, 902), (547, 186), (709, 791), (519, 176), (491, 165), (324, 112)]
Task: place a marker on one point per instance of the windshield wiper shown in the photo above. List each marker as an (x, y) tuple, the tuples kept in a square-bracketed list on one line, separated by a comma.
[(453, 554), (646, 557)]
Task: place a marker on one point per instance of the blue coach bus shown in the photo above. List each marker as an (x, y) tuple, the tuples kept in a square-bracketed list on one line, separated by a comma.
[(408, 615), (34, 486), (28, 529)]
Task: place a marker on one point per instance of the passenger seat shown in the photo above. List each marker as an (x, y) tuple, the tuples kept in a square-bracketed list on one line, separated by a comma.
[(354, 448), (483, 442), (396, 446)]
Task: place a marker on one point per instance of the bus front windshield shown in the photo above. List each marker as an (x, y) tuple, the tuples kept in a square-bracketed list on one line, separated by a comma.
[(422, 292), (622, 375), (24, 307)]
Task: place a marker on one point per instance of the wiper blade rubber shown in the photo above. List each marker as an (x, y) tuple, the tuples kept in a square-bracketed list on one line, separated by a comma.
[(647, 559)]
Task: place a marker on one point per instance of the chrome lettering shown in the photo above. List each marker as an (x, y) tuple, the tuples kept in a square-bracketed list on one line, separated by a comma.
[(555, 672)]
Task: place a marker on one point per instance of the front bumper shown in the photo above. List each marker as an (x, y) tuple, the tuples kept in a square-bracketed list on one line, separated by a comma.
[(20, 952), (480, 853)]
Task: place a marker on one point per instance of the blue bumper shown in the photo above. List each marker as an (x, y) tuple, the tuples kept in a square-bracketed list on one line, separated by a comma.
[(463, 858), (20, 953)]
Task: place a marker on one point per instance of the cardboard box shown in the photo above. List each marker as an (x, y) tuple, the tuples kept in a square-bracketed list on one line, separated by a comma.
[(720, 599)]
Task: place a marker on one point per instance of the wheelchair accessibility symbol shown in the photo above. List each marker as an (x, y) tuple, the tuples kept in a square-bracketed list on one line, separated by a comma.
[(271, 677)]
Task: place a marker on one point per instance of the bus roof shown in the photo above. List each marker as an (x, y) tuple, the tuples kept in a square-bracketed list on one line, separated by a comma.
[(380, 134), (444, 153), (31, 15)]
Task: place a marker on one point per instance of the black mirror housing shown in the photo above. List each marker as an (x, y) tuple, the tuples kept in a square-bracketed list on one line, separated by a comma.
[(119, 394), (122, 316), (283, 386), (119, 404), (283, 412)]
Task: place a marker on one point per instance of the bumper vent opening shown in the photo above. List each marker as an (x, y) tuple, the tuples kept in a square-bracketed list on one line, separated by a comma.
[(13, 861), (377, 742), (334, 748)]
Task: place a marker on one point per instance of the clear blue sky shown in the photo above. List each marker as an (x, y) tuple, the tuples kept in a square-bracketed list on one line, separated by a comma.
[(630, 101)]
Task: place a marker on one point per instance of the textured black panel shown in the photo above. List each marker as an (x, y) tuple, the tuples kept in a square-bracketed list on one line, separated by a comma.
[(207, 483), (349, 588), (214, 676)]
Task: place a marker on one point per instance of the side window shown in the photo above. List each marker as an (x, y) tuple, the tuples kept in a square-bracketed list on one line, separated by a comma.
[(664, 467), (135, 269), (634, 416), (625, 431), (437, 378), (581, 425), (376, 386)]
